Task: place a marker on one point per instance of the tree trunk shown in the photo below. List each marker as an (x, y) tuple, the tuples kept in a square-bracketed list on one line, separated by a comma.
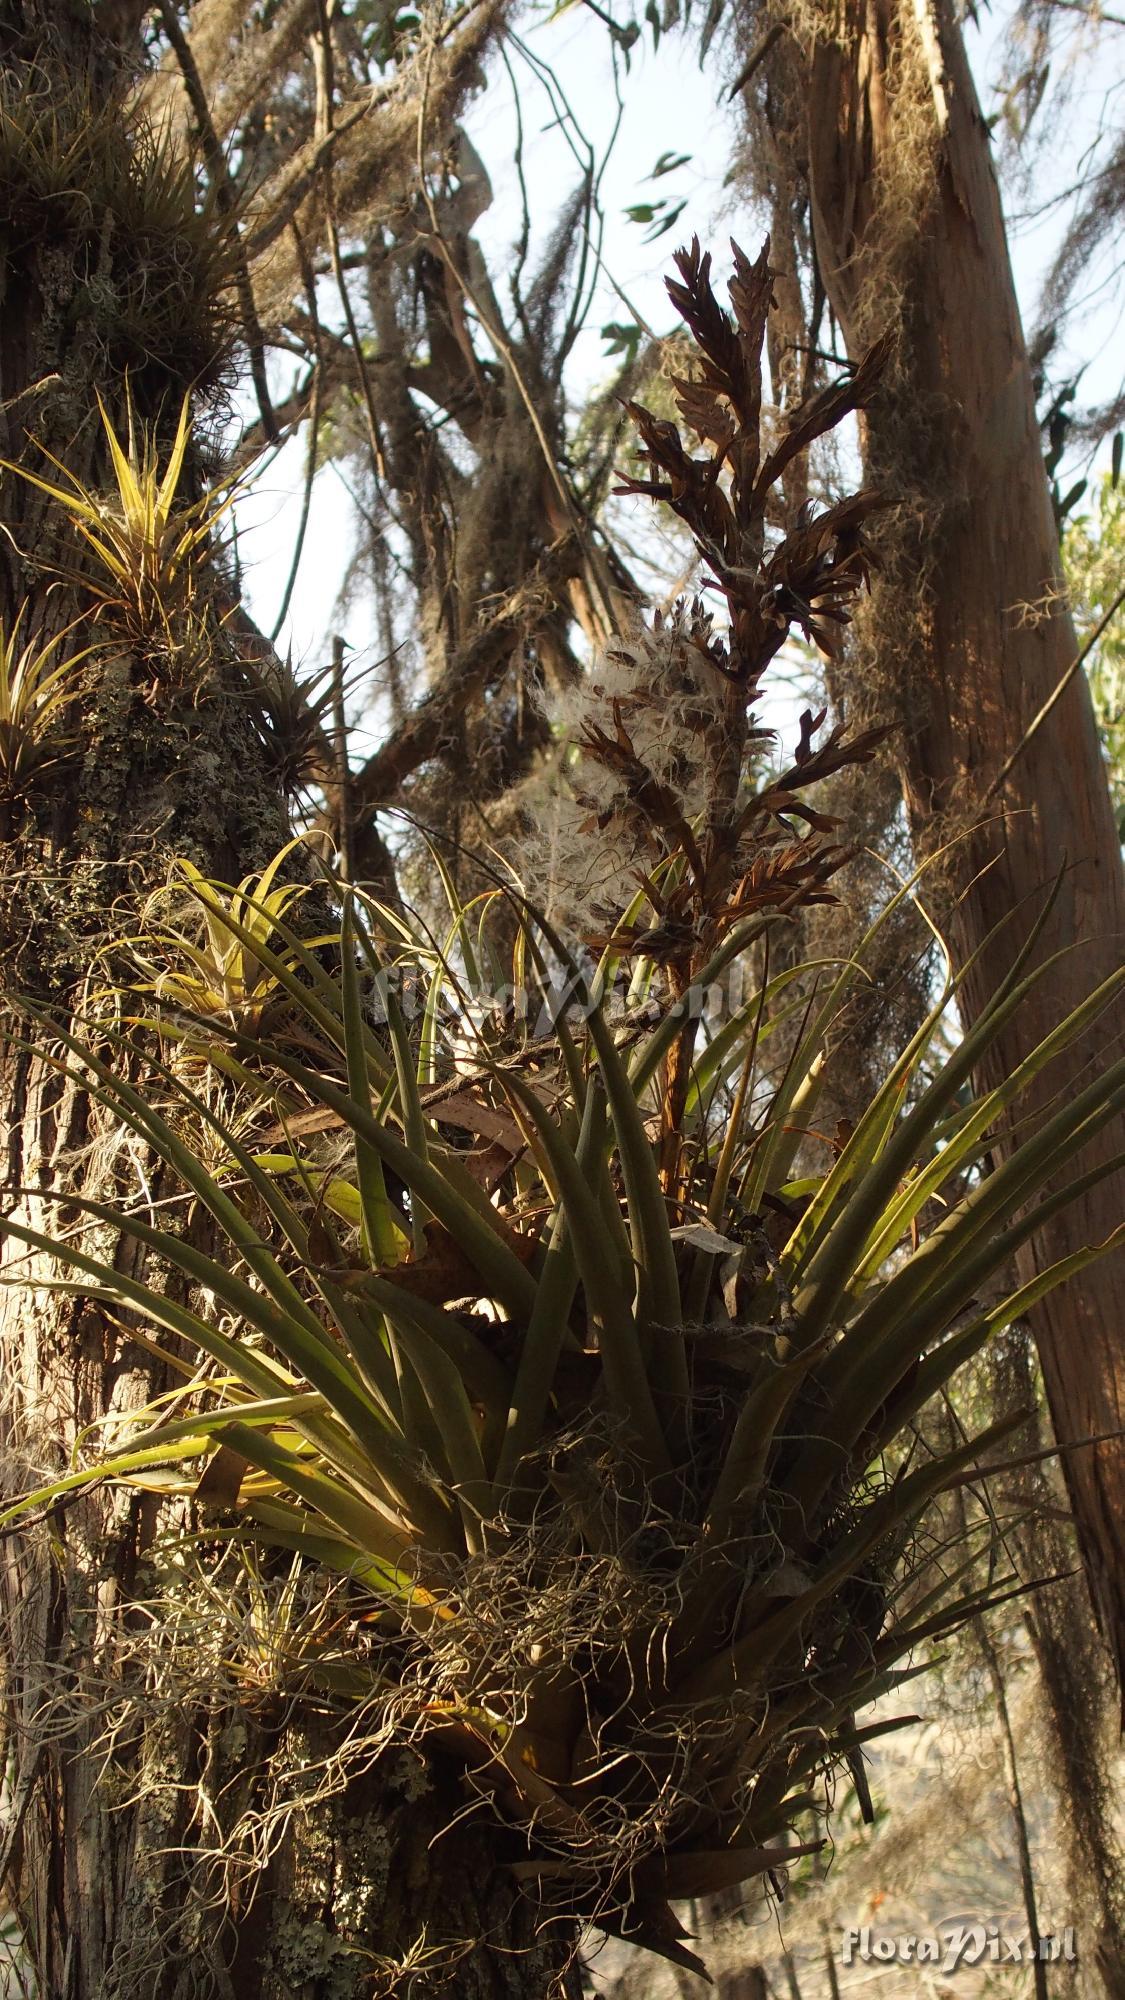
[(169, 1827), (1075, 1692), (969, 634)]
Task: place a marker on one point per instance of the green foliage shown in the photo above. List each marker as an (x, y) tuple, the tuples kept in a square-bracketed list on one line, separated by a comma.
[(641, 1568), (147, 541), (659, 216), (554, 1325), (1094, 556), (36, 687), (219, 973), (623, 337), (151, 253)]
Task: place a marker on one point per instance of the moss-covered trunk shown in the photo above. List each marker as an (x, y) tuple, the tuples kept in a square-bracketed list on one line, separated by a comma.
[(148, 776), (160, 1832)]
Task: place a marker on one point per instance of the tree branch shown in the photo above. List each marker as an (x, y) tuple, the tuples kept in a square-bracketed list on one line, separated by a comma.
[(422, 734), (226, 195)]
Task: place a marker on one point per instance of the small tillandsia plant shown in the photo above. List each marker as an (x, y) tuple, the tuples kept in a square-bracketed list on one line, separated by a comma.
[(37, 684), (620, 1442), (215, 971), (146, 540)]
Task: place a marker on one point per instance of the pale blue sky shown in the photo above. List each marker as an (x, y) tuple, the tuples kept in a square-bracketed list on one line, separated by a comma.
[(668, 104), (665, 96)]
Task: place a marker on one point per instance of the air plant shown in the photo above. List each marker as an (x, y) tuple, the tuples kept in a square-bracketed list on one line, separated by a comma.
[(294, 716), (639, 1496), (620, 1442), (147, 541), (197, 949), (36, 687), (712, 843), (158, 306)]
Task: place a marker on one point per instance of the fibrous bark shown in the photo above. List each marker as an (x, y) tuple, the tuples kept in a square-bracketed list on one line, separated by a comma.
[(970, 634)]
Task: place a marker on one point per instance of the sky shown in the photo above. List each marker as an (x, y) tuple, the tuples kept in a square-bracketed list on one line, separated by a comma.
[(661, 110), (664, 97)]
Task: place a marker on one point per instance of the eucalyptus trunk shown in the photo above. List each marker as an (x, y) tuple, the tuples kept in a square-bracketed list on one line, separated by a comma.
[(970, 635), (126, 1775)]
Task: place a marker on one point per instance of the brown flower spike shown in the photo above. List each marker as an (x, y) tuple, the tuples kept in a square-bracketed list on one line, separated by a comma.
[(729, 844)]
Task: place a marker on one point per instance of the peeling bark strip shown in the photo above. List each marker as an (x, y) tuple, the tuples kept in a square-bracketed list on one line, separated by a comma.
[(972, 623)]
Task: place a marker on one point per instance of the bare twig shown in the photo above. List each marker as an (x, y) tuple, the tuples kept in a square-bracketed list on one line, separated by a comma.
[(756, 58), (1094, 14)]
